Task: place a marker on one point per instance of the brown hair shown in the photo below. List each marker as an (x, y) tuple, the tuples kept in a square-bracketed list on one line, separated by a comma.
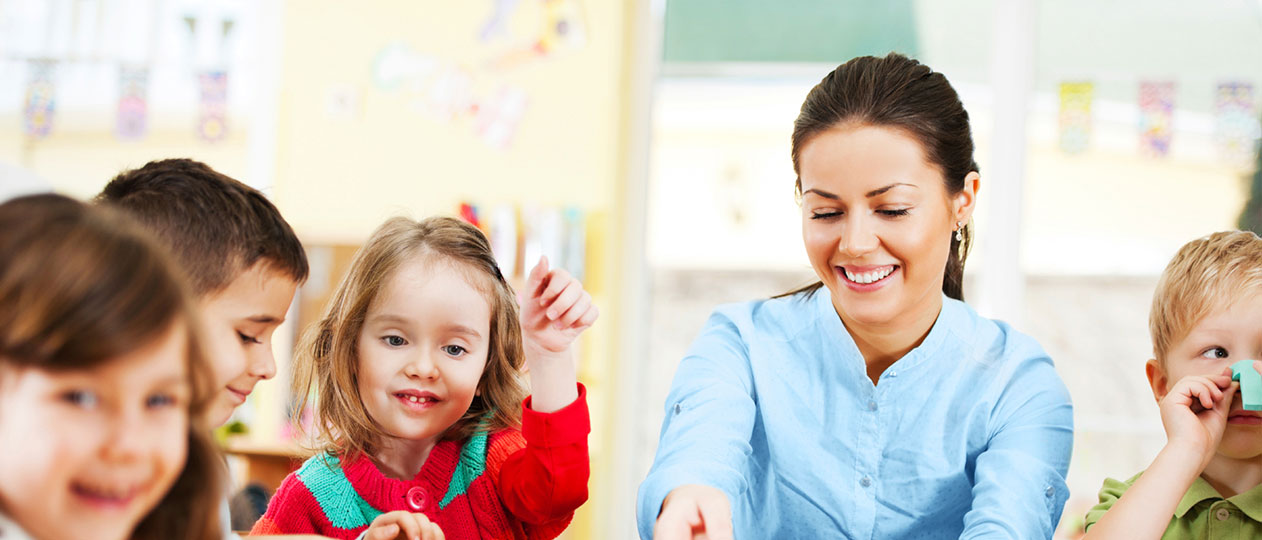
[(215, 226), (1207, 274), (327, 362), (901, 93), (80, 286)]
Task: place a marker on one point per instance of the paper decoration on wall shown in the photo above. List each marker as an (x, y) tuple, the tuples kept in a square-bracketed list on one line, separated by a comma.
[(497, 119), (212, 124), (1236, 128), (450, 94), (132, 121), (497, 24), (1156, 117), (397, 65), (563, 26), (1075, 116), (40, 104)]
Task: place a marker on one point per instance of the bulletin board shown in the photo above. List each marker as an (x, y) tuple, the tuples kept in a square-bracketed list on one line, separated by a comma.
[(827, 31)]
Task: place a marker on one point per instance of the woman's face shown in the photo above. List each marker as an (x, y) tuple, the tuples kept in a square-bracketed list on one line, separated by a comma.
[(877, 222)]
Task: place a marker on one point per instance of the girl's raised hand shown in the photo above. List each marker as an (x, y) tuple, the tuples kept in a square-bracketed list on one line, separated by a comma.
[(400, 525), (555, 310), (1194, 412)]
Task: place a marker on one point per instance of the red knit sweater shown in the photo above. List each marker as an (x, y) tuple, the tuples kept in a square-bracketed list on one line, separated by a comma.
[(505, 485)]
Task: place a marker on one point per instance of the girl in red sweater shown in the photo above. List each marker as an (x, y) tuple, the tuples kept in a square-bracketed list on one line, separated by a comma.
[(424, 427)]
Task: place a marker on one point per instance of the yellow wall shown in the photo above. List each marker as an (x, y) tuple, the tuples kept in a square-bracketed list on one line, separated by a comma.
[(337, 178)]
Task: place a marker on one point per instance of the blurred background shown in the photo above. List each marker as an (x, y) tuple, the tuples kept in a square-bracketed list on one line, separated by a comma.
[(646, 145)]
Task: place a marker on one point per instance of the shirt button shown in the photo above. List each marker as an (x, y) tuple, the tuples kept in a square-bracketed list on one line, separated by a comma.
[(865, 482), (871, 405), (677, 408), (1222, 514), (1050, 491), (893, 374), (416, 499)]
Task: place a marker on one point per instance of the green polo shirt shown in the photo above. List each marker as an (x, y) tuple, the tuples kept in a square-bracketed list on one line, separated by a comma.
[(1201, 514)]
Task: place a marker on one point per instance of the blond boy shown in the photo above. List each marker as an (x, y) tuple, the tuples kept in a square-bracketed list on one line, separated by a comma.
[(1207, 480)]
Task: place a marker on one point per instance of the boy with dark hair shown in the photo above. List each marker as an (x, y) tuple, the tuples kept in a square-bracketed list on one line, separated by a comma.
[(242, 260)]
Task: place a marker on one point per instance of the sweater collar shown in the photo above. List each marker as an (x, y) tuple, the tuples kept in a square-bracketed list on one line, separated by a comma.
[(385, 492)]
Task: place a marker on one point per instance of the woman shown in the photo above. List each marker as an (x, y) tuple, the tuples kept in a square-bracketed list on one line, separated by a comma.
[(875, 403)]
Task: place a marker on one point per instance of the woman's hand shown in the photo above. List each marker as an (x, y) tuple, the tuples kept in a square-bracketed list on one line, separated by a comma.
[(694, 512), (1194, 413), (400, 525)]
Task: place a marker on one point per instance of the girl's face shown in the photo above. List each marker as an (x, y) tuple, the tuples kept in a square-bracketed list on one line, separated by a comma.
[(94, 450), (877, 222), (422, 349)]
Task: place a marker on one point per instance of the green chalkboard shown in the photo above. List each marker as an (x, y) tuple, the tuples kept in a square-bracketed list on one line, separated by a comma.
[(830, 31)]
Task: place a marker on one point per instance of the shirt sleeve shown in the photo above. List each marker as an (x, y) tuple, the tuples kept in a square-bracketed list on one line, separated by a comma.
[(547, 480), (1110, 492), (709, 420), (1019, 485), (225, 521)]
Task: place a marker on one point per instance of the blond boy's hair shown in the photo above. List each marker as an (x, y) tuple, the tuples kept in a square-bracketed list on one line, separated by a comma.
[(326, 358), (1207, 274)]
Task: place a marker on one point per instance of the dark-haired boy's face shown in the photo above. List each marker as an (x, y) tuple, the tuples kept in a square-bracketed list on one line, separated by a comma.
[(238, 323), (877, 223)]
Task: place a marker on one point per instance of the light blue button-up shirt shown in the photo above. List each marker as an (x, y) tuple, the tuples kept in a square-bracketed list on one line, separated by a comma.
[(967, 436)]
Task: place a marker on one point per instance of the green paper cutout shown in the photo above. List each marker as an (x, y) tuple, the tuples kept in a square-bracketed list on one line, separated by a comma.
[(1250, 384)]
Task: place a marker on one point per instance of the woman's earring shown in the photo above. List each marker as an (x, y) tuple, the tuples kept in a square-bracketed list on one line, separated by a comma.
[(959, 235)]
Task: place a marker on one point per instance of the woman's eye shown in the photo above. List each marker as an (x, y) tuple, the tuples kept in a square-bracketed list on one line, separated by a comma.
[(824, 215), (1214, 353), (81, 398), (248, 339), (893, 213), (394, 341), (454, 350)]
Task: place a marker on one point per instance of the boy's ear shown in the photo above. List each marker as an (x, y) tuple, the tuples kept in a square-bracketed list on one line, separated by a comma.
[(1157, 379)]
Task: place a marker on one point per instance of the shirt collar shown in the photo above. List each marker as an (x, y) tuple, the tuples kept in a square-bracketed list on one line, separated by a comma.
[(10, 530), (1249, 502), (951, 319)]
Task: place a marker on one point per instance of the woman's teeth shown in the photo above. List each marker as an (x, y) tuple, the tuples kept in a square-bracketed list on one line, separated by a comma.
[(869, 277)]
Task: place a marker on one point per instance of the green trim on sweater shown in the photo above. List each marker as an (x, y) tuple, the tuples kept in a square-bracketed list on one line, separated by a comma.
[(472, 464), (323, 477)]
